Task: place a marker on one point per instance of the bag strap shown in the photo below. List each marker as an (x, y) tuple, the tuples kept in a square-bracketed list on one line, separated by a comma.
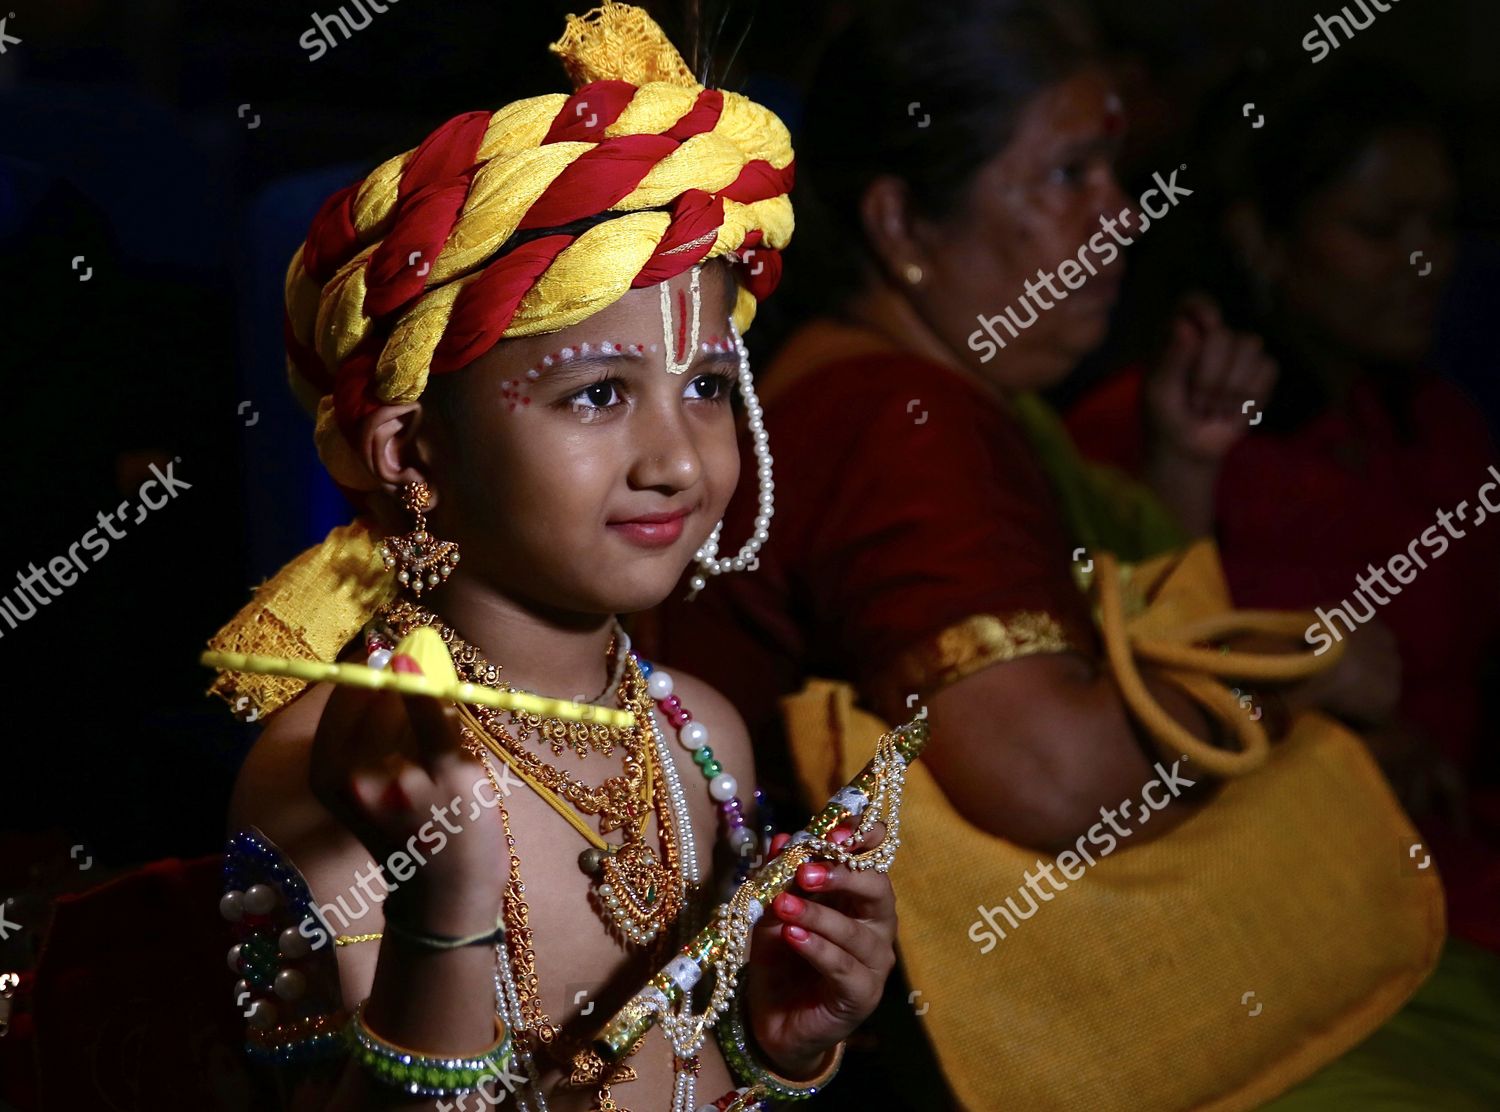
[(1165, 730), (1182, 653)]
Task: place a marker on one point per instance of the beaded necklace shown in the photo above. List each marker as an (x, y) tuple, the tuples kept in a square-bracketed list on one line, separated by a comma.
[(516, 987)]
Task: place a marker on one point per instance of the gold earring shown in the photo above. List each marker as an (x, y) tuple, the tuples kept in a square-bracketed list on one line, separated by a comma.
[(913, 274), (420, 559)]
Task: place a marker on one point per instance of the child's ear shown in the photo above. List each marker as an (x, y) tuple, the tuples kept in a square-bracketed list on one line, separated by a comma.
[(391, 449)]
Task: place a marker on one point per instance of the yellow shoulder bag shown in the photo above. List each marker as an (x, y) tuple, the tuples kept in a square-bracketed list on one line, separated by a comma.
[(1209, 969)]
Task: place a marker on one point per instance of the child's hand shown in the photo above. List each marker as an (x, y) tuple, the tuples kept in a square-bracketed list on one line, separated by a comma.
[(391, 769), (819, 959)]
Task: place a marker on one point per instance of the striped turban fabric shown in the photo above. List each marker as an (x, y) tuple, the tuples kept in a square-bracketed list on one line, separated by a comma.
[(504, 224)]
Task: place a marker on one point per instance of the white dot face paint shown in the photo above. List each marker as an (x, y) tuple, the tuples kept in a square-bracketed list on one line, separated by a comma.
[(514, 391), (717, 345), (682, 343)]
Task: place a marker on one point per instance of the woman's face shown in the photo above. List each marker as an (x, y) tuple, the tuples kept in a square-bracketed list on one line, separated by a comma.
[(1034, 212), (1348, 269), (547, 455)]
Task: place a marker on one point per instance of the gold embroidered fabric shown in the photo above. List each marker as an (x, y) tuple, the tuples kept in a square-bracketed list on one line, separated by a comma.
[(308, 610), (974, 643)]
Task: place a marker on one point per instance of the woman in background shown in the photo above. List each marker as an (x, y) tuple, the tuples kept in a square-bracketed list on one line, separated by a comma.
[(1360, 489), (963, 235), (932, 507)]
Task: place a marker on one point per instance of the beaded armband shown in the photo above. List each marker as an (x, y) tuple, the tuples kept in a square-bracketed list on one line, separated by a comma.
[(427, 1075), (734, 1039), (270, 909)]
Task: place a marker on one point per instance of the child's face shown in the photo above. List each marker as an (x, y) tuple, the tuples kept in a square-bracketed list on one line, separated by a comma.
[(540, 475)]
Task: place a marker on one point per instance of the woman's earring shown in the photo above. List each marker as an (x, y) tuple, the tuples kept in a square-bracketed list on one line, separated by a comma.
[(421, 560), (913, 274)]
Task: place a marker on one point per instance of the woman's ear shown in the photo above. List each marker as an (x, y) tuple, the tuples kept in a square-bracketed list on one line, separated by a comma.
[(885, 211)]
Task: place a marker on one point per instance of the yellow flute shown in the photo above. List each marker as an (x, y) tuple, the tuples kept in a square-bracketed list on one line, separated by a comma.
[(438, 678)]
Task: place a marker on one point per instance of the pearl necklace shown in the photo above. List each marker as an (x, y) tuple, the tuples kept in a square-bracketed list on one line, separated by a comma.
[(722, 787)]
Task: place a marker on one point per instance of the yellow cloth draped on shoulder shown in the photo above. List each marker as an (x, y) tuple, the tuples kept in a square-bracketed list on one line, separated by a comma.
[(661, 174)]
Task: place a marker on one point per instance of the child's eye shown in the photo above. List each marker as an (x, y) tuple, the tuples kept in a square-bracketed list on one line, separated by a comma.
[(596, 395), (710, 388)]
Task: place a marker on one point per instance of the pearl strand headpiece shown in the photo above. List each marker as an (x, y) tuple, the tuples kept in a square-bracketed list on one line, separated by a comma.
[(707, 558)]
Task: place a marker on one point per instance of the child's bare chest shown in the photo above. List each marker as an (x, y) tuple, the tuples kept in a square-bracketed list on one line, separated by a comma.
[(585, 970)]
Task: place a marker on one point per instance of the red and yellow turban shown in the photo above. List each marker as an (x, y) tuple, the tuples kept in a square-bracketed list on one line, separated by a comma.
[(504, 224)]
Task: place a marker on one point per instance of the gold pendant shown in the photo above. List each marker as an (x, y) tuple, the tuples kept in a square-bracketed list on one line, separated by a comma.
[(637, 892)]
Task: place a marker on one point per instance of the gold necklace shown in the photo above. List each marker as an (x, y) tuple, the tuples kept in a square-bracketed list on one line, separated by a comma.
[(587, 1069), (637, 891), (583, 737)]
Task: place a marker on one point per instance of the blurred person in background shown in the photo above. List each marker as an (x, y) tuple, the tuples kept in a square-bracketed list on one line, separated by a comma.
[(1329, 232), (937, 501), (932, 506)]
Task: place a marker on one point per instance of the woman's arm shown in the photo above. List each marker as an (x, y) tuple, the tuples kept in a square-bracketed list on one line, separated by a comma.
[(1037, 750)]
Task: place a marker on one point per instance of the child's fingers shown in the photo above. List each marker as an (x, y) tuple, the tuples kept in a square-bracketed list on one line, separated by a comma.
[(843, 833), (848, 934), (342, 727), (866, 895), (853, 980), (766, 942), (434, 722)]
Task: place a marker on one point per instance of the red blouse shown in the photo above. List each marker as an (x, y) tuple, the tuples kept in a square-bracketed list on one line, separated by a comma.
[(1300, 515), (915, 538)]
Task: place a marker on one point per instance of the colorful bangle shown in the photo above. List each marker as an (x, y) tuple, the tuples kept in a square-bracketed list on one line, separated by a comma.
[(735, 1041), (424, 1075)]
